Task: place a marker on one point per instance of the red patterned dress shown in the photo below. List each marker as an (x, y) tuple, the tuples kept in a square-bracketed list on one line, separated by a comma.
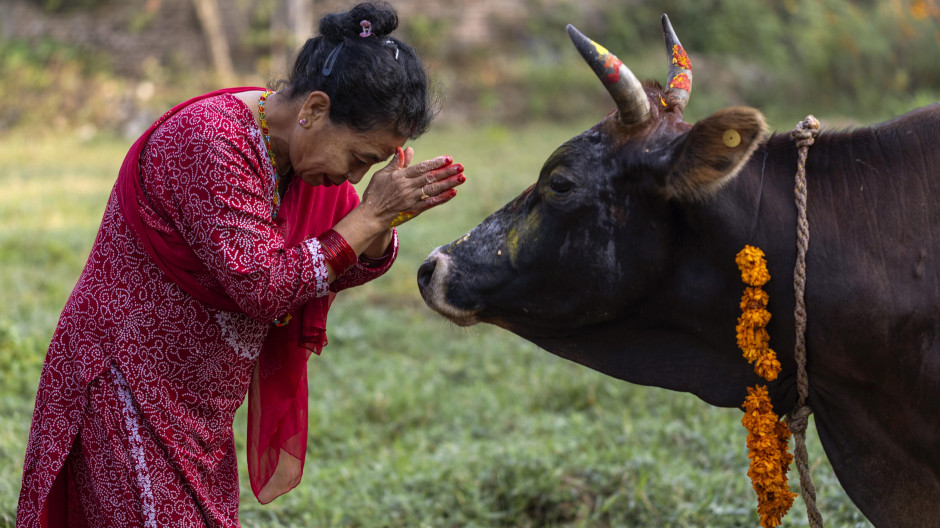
[(134, 412)]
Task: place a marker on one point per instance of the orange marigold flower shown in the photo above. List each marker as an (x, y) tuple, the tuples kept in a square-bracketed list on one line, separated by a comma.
[(755, 276), (754, 318), (767, 436), (783, 435), (750, 261), (768, 444), (748, 338), (754, 299), (753, 354), (767, 365), (758, 399)]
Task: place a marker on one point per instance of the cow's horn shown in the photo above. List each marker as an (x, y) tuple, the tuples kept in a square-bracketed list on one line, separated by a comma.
[(679, 83), (628, 93)]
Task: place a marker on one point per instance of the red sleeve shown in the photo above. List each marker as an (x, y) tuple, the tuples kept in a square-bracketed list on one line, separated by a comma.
[(367, 269), (205, 169)]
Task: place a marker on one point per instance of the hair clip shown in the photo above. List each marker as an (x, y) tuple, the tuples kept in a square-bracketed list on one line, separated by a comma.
[(392, 44), (330, 61), (366, 28)]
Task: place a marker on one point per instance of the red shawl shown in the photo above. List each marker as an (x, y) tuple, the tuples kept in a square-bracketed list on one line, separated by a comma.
[(277, 396)]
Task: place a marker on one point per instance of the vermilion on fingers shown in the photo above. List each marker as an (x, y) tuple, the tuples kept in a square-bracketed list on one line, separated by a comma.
[(441, 186), (443, 172), (438, 163), (447, 196), (410, 155), (401, 157), (438, 199), (442, 161)]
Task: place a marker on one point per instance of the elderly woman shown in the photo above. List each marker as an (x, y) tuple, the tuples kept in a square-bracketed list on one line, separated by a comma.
[(232, 225)]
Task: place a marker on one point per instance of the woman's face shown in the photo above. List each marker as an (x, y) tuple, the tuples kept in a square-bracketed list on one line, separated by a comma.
[(324, 153)]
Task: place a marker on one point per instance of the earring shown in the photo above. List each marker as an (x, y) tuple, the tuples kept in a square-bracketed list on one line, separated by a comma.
[(303, 122)]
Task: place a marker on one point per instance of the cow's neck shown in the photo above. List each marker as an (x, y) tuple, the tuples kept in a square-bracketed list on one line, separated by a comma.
[(873, 244), (873, 334)]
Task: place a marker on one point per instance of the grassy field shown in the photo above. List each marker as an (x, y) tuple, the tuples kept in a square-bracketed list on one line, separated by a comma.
[(413, 422)]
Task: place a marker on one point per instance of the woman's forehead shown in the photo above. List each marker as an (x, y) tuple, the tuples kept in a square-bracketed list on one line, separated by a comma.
[(378, 144)]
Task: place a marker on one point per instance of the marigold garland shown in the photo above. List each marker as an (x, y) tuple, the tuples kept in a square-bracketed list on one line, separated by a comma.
[(750, 261), (768, 437)]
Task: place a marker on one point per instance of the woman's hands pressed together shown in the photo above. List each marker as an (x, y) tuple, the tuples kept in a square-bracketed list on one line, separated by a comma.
[(402, 191), (397, 193)]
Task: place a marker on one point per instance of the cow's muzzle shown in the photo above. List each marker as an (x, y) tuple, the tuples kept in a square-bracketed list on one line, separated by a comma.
[(433, 278)]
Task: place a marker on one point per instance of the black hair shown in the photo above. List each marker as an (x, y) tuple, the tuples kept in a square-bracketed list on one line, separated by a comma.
[(375, 81)]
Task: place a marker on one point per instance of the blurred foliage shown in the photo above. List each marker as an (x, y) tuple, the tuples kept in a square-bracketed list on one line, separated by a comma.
[(20, 360), (58, 79), (865, 59), (851, 60), (64, 6), (72, 87)]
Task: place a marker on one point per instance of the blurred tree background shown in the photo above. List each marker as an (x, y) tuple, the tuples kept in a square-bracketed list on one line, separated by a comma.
[(111, 66)]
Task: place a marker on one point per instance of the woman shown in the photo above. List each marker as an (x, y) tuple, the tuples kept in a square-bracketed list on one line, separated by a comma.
[(232, 225)]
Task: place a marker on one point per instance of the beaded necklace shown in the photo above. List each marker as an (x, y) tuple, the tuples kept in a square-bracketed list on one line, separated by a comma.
[(277, 179), (267, 145)]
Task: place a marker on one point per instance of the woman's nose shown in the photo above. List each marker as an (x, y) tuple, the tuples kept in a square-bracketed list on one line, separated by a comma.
[(356, 176)]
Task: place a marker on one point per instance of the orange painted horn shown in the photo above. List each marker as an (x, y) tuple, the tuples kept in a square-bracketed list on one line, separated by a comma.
[(679, 82), (628, 93)]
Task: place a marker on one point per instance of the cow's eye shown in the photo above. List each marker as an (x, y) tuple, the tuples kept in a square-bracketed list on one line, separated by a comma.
[(560, 184)]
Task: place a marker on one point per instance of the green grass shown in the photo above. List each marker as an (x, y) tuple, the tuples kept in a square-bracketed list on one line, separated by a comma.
[(413, 422)]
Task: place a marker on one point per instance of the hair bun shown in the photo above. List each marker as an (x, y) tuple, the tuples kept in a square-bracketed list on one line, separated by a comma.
[(382, 16)]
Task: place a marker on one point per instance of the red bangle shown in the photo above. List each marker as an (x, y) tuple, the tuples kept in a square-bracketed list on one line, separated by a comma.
[(339, 254)]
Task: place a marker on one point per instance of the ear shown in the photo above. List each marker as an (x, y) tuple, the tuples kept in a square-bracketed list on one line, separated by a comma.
[(712, 153), (317, 106)]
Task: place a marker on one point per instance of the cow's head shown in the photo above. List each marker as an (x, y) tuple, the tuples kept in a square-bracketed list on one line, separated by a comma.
[(593, 243)]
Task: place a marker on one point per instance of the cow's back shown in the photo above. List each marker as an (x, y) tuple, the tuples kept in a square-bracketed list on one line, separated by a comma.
[(874, 213), (873, 303)]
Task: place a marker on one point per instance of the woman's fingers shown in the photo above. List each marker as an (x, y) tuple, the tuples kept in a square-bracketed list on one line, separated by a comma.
[(436, 176), (438, 199), (408, 155), (423, 185), (443, 172), (442, 180), (429, 166), (399, 160)]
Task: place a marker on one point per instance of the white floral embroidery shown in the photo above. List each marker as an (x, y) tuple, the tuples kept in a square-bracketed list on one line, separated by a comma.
[(233, 329), (319, 272), (132, 425)]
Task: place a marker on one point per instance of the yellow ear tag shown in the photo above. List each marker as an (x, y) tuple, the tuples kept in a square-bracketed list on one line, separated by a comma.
[(731, 138)]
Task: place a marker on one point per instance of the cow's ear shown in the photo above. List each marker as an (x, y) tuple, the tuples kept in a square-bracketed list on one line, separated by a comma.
[(712, 152)]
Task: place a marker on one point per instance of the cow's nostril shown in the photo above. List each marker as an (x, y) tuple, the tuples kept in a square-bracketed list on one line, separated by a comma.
[(425, 272)]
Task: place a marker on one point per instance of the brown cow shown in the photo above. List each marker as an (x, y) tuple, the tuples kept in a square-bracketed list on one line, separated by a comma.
[(621, 258)]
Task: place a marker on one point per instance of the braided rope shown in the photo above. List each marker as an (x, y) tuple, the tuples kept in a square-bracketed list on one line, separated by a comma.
[(804, 135)]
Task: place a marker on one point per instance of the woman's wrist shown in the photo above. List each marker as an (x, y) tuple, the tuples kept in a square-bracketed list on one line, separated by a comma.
[(360, 230), (380, 246), (375, 223), (338, 253)]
